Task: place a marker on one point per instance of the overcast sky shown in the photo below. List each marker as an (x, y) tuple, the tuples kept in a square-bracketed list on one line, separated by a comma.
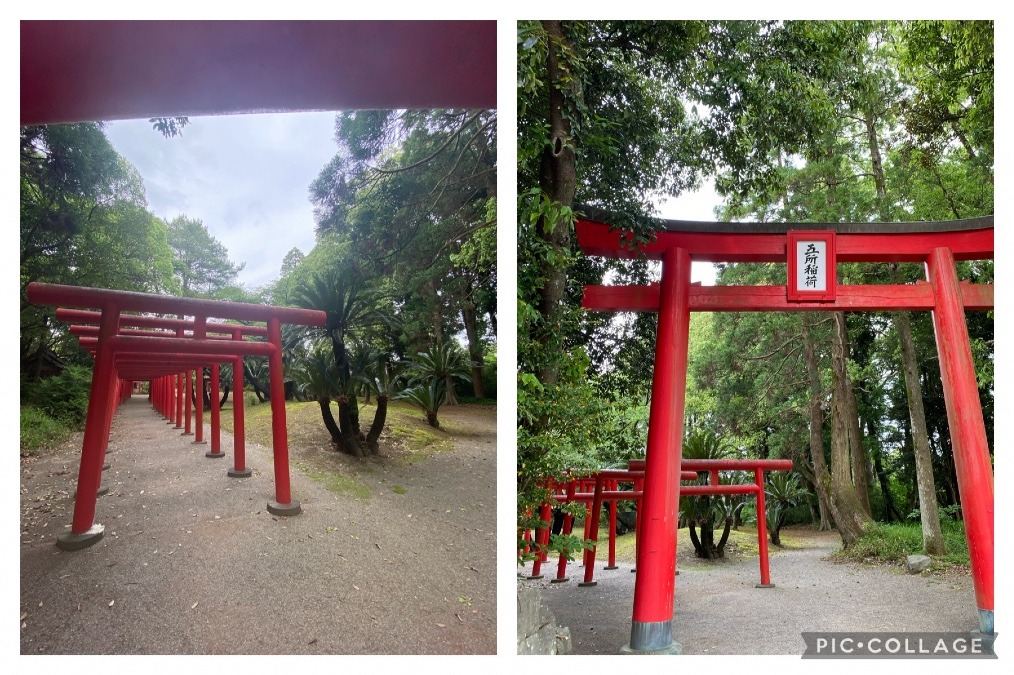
[(246, 177)]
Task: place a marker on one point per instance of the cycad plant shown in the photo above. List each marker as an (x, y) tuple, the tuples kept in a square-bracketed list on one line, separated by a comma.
[(382, 380), (316, 379), (428, 396), (783, 492), (431, 377), (703, 512), (445, 362), (342, 294)]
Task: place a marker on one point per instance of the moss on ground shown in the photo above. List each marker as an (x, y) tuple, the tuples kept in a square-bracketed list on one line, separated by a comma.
[(406, 434)]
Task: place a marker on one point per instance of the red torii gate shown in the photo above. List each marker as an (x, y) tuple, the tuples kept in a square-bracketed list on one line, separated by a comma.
[(167, 391), (140, 356), (810, 288)]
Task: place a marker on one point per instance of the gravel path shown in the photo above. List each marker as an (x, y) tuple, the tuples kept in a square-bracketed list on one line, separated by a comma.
[(192, 562), (719, 611)]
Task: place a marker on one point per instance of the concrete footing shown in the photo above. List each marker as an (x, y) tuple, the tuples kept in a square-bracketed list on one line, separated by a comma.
[(588, 583), (214, 455), (764, 586), (290, 509), (76, 542), (651, 637), (239, 473)]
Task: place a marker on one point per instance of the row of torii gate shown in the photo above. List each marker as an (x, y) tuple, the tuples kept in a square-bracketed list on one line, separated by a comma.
[(130, 344), (810, 252)]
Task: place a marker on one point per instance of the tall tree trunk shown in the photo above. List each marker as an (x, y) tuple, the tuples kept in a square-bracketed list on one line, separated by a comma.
[(474, 346), (849, 514), (558, 180), (857, 450), (822, 479), (932, 537)]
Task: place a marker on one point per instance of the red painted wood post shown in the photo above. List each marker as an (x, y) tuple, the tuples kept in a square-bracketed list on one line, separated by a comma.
[(542, 540), (968, 433), (200, 333), (239, 468), (179, 400), (199, 412), (638, 488), (593, 530), (762, 530), (84, 530), (187, 393), (651, 625), (568, 526), (284, 504), (614, 486), (216, 427)]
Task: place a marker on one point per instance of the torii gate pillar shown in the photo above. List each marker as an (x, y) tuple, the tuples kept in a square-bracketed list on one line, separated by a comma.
[(651, 628), (968, 433)]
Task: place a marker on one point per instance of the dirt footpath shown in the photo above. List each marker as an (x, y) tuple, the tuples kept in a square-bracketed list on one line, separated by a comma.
[(192, 562), (719, 611)]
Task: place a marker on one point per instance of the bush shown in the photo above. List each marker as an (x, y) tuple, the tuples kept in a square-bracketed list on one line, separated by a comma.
[(40, 431), (893, 542), (63, 397)]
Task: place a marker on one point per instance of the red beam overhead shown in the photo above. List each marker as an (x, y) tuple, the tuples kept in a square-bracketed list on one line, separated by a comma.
[(598, 239), (129, 301), (74, 71), (87, 317), (885, 298)]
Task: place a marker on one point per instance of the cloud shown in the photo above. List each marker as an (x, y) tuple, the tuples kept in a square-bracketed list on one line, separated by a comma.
[(246, 177)]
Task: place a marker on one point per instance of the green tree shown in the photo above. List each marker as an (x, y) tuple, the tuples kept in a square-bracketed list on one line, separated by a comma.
[(200, 261), (84, 222)]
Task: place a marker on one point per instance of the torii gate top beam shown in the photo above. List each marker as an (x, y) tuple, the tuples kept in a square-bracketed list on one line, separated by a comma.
[(970, 239), (129, 301)]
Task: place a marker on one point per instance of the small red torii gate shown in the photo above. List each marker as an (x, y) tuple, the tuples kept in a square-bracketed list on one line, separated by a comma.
[(167, 392), (937, 245), (125, 352)]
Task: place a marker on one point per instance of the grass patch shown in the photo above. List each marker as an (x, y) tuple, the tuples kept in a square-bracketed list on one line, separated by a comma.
[(742, 543), (40, 432), (335, 482), (398, 490), (891, 543), (310, 444), (410, 431)]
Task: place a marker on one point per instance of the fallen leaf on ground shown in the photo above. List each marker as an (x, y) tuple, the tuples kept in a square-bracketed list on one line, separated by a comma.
[(442, 625), (195, 604), (111, 603)]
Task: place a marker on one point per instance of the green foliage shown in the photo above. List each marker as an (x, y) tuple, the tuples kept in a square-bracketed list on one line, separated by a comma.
[(892, 543), (428, 395), (169, 127), (83, 221), (783, 492), (40, 431), (201, 263), (440, 362), (63, 397)]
